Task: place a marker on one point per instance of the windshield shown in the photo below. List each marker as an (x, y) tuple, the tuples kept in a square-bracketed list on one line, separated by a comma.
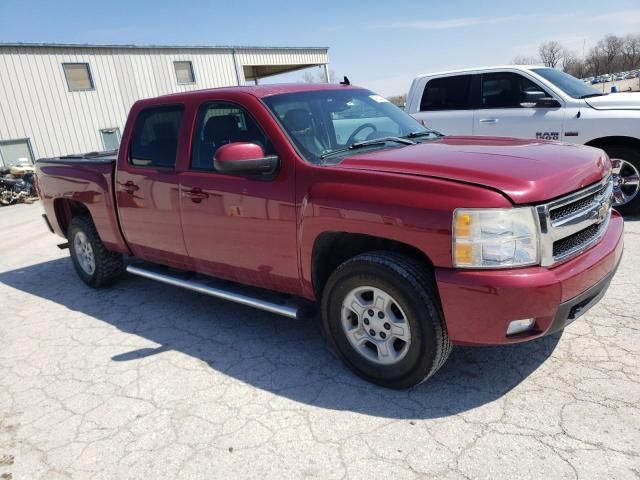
[(570, 85), (325, 124)]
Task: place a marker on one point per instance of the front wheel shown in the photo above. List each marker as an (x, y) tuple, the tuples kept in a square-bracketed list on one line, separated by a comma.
[(625, 163), (96, 266), (382, 316)]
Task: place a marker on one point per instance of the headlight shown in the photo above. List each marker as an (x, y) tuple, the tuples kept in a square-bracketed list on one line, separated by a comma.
[(495, 237)]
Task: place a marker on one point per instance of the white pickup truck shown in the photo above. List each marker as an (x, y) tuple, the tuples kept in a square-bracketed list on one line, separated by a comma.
[(536, 102)]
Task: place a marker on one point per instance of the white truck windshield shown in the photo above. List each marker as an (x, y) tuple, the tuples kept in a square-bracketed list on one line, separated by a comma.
[(570, 85)]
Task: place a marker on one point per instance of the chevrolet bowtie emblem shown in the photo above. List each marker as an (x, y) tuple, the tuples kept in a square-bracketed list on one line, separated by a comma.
[(603, 211)]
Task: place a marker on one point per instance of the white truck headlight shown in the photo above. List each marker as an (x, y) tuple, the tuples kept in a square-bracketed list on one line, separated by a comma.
[(495, 237)]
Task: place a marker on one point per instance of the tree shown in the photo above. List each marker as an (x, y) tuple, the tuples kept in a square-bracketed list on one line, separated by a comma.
[(524, 60), (631, 51), (595, 61), (572, 64), (611, 48), (398, 100), (318, 76), (550, 53)]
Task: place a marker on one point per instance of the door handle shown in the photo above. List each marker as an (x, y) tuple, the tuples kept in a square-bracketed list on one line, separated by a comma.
[(489, 120), (130, 187), (195, 194)]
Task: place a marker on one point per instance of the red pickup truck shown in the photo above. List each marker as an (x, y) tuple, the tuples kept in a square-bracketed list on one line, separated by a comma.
[(279, 196)]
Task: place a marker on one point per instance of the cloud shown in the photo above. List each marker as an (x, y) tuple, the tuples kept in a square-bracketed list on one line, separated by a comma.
[(451, 23), (619, 19)]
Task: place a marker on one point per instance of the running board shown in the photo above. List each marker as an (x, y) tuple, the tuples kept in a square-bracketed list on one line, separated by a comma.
[(219, 289)]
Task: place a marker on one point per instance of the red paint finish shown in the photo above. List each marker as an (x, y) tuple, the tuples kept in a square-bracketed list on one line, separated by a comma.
[(262, 231), (479, 305), (90, 185), (527, 171), (238, 151)]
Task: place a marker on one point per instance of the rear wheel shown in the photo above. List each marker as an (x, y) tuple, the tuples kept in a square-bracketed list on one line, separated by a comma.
[(382, 316), (625, 162), (96, 266)]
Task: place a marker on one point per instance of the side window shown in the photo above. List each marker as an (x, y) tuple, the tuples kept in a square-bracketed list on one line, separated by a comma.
[(447, 93), (505, 89), (155, 137), (219, 124)]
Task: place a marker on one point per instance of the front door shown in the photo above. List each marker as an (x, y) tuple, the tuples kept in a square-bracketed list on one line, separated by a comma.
[(501, 113), (147, 188), (239, 228)]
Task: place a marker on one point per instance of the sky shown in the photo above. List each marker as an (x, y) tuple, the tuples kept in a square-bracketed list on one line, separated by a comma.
[(380, 45)]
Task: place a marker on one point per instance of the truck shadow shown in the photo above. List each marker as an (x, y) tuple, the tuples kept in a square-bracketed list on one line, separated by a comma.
[(273, 353)]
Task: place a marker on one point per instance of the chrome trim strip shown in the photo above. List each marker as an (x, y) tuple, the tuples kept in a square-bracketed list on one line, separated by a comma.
[(201, 287), (580, 194)]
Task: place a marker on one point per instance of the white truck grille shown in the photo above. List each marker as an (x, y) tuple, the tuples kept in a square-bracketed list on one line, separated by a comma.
[(573, 223)]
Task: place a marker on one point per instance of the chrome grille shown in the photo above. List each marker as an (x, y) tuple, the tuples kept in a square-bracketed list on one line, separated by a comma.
[(574, 207), (572, 223), (577, 240)]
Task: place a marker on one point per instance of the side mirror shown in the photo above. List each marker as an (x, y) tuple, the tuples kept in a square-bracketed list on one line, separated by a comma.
[(243, 158), (538, 99)]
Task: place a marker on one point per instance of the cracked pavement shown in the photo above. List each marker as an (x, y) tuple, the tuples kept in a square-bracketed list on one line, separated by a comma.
[(149, 381)]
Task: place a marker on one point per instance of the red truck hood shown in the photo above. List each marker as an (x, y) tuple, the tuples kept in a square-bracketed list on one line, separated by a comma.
[(527, 171)]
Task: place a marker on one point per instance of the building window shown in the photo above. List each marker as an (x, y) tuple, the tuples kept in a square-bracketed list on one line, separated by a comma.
[(78, 76), (13, 152), (110, 138), (184, 72)]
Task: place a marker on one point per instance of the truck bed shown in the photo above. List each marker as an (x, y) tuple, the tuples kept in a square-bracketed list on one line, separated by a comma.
[(90, 158), (81, 181)]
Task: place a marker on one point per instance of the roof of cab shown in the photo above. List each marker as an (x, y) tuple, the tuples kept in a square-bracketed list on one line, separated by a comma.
[(261, 91), (480, 69)]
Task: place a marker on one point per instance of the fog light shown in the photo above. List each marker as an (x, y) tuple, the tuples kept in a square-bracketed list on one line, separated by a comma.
[(519, 326)]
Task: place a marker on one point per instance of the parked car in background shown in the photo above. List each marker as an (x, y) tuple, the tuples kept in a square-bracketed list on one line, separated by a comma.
[(536, 102)]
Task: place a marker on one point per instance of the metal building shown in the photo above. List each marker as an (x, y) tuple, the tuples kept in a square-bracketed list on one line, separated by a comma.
[(59, 99)]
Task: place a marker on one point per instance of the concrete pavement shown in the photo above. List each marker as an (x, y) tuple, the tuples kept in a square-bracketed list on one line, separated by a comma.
[(149, 381)]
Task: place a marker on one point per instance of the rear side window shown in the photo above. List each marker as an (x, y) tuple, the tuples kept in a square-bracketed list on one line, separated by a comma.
[(447, 93), (505, 89), (155, 137)]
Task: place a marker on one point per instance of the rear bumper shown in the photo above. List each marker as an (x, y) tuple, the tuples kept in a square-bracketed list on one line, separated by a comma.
[(479, 305)]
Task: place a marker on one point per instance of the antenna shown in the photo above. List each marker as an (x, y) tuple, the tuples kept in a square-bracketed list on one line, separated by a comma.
[(345, 81)]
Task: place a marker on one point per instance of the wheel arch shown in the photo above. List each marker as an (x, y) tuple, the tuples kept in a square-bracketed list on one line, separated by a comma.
[(331, 249), (609, 141), (66, 210)]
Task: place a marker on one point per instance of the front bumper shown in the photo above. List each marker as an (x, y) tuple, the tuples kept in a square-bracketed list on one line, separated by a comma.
[(478, 305)]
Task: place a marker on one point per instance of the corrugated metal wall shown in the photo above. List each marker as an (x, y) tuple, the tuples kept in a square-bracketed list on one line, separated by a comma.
[(35, 102), (266, 56)]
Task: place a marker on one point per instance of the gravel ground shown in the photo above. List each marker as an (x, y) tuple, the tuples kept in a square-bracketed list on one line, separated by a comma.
[(149, 381)]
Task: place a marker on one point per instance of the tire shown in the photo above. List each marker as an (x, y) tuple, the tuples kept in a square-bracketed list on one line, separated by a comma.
[(631, 156), (7, 198), (85, 243), (410, 358)]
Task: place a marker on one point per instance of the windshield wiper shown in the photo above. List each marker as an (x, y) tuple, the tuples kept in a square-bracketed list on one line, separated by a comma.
[(366, 143), (422, 133), (589, 95)]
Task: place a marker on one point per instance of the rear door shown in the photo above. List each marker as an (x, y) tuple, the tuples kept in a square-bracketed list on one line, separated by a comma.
[(501, 113), (147, 186), (447, 104)]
